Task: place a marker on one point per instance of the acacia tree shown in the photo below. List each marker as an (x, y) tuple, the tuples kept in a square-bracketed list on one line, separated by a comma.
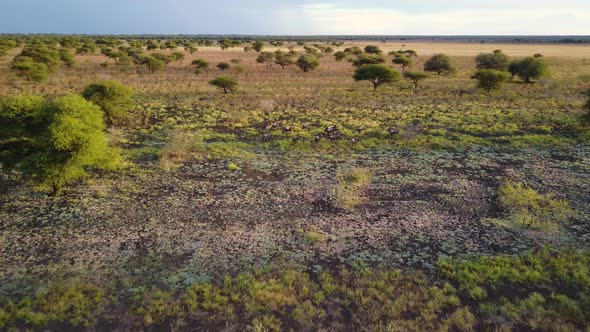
[(416, 77), (372, 49), (225, 83), (153, 64), (177, 56), (496, 60), (54, 142), (258, 46), (377, 75), (490, 79), (266, 57), (308, 62), (440, 63), (114, 98), (403, 61), (529, 68), (200, 65), (225, 43), (24, 66), (368, 59), (282, 59), (67, 57)]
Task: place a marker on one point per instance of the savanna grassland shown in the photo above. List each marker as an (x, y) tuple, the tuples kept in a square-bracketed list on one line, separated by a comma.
[(304, 201)]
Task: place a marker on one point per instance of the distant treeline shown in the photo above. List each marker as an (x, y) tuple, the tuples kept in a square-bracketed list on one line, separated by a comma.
[(381, 38)]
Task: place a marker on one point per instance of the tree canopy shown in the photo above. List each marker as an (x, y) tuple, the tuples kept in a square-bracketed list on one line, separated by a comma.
[(415, 77), (496, 60), (529, 69), (440, 64), (376, 74), (54, 142), (226, 83), (368, 59), (114, 98), (308, 62), (490, 79)]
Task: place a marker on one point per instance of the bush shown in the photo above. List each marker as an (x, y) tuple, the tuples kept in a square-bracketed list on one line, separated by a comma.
[(528, 207), (54, 142), (372, 49), (368, 59), (114, 98), (29, 69), (439, 63), (496, 60), (529, 69), (223, 65), (490, 79), (308, 62)]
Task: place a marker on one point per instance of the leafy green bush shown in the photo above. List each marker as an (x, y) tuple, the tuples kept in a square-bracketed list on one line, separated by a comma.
[(528, 207), (54, 142), (490, 79), (114, 98)]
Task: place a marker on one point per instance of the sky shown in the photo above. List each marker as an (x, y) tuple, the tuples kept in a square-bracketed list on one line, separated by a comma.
[(297, 17)]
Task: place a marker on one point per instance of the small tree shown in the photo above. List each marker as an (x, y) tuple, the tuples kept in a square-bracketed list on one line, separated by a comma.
[(416, 77), (177, 56), (377, 75), (114, 98), (258, 46), (225, 43), (372, 49), (67, 57), (308, 62), (24, 66), (283, 60), (496, 60), (490, 79), (403, 61), (355, 50), (225, 83), (200, 65), (529, 68), (439, 63), (266, 57), (223, 65), (153, 64)]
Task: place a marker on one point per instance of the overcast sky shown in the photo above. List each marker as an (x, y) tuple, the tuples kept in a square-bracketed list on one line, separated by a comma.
[(298, 17)]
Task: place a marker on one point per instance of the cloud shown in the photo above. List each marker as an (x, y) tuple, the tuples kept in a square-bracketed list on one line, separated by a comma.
[(429, 17), (330, 18)]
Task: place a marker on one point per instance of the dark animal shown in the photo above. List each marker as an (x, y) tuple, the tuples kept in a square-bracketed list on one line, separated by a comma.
[(361, 129), (287, 129), (296, 139), (317, 138)]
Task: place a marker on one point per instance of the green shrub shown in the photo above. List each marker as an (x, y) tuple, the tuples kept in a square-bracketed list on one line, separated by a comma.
[(528, 207), (114, 98), (54, 142), (490, 79)]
